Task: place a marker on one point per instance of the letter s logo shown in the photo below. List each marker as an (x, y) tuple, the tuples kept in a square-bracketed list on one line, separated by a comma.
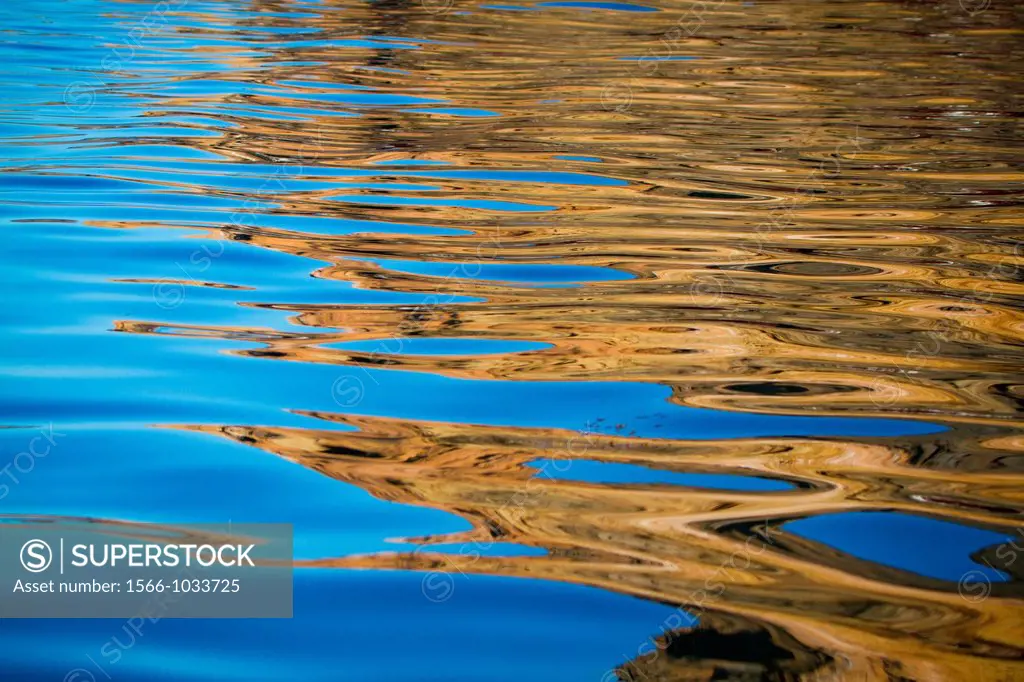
[(36, 556)]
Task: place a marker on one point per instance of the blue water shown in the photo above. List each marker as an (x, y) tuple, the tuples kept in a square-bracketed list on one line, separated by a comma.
[(195, 225), (918, 544), (613, 6), (377, 625), (491, 549), (593, 471)]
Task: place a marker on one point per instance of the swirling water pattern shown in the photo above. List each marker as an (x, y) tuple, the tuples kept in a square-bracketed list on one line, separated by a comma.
[(578, 340)]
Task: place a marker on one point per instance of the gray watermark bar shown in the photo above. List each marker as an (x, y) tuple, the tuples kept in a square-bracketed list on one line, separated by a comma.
[(86, 569)]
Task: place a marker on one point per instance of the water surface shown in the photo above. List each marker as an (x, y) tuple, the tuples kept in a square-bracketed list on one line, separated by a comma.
[(578, 340)]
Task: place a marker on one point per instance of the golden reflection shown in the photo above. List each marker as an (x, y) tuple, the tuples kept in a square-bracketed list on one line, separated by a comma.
[(816, 211), (669, 543)]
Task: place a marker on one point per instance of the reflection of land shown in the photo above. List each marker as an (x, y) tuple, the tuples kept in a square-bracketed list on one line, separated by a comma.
[(713, 551), (811, 212)]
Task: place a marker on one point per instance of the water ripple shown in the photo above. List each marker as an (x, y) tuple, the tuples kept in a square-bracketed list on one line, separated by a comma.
[(587, 340)]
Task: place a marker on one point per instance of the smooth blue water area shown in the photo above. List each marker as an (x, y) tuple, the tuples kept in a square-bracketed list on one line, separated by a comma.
[(270, 276), (169, 214), (379, 624), (481, 549), (478, 204), (593, 471), (102, 472), (423, 345), (918, 544), (466, 112), (150, 181), (611, 6), (328, 85)]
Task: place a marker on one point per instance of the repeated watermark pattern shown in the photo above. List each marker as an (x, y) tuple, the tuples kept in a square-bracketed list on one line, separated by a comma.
[(886, 390), (698, 601), (80, 96), (169, 292), (974, 7), (349, 389), (618, 96), (24, 463), (437, 7), (715, 286), (975, 586), (132, 631), (439, 584)]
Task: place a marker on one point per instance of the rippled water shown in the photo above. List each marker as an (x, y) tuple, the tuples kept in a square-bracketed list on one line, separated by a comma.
[(609, 341)]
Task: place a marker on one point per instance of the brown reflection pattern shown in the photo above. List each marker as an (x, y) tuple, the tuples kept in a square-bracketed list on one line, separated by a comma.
[(822, 216)]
